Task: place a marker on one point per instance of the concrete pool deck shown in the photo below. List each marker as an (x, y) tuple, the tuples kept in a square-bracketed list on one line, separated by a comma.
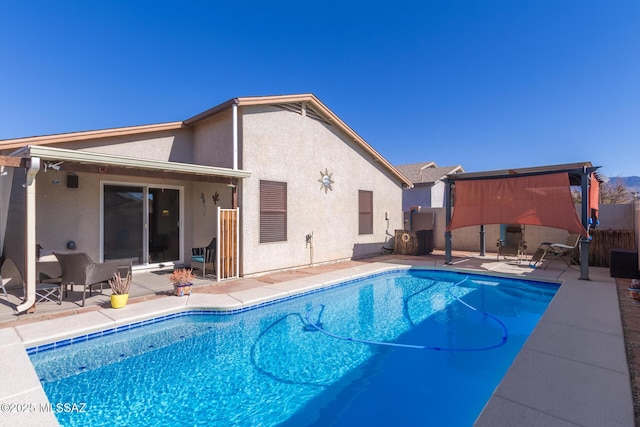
[(571, 371)]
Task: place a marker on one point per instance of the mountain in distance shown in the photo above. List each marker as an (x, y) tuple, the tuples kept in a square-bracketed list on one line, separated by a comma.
[(631, 182)]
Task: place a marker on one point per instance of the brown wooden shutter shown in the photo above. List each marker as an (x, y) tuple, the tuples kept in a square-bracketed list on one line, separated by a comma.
[(365, 206), (273, 211)]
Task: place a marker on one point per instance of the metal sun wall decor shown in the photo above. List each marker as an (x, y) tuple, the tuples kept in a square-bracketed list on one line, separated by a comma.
[(326, 181)]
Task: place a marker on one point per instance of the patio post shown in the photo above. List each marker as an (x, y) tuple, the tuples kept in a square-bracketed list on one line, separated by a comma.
[(482, 242), (584, 241), (447, 233), (30, 237)]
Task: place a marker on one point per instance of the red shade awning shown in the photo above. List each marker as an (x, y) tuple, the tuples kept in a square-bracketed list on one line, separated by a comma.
[(594, 195), (532, 200)]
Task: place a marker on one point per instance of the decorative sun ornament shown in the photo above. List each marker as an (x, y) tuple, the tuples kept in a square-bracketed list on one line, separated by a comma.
[(325, 181)]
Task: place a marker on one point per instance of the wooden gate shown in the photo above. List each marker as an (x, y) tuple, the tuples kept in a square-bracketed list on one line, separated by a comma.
[(228, 251)]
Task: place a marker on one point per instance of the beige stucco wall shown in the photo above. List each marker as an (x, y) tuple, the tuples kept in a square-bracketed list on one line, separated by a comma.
[(288, 147), (616, 216), (14, 237), (468, 238), (175, 145), (65, 214), (204, 210), (437, 194), (213, 141)]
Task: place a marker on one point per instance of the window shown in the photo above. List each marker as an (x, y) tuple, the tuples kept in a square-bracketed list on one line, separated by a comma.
[(273, 211), (365, 210)]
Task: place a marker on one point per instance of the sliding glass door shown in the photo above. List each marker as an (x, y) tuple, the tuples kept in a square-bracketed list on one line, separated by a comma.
[(164, 218), (141, 222)]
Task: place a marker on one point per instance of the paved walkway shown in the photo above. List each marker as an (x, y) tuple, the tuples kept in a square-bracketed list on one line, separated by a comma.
[(572, 370)]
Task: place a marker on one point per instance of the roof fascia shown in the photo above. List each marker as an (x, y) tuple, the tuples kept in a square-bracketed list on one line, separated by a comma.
[(571, 168), (319, 107), (85, 135), (257, 100), (77, 156)]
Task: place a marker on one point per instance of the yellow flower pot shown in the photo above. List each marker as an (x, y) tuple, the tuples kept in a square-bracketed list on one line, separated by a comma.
[(119, 301), (182, 289)]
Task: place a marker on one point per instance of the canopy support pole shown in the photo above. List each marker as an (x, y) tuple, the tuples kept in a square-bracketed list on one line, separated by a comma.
[(447, 233), (584, 241)]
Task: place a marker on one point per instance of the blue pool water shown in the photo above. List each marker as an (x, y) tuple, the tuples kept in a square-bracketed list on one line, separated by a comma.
[(415, 347)]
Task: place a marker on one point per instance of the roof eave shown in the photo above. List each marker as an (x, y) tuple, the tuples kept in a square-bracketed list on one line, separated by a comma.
[(319, 107), (571, 168), (79, 156), (85, 135)]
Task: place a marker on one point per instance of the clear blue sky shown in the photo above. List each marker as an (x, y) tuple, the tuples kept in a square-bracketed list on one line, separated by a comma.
[(488, 84)]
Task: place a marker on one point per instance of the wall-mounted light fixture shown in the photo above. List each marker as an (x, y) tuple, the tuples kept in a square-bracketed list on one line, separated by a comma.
[(55, 166)]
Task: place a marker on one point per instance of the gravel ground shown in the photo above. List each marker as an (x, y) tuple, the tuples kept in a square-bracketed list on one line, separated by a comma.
[(630, 315)]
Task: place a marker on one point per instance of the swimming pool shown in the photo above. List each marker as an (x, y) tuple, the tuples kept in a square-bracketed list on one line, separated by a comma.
[(403, 347)]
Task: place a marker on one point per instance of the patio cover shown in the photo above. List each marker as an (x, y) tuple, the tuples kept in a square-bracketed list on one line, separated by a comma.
[(531, 200), (34, 154), (495, 200)]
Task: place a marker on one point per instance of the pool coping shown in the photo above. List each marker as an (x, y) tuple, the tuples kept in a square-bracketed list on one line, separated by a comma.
[(586, 386)]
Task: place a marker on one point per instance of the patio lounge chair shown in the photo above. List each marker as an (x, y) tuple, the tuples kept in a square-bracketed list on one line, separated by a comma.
[(4, 282), (513, 243), (205, 255), (551, 251), (79, 269), (9, 275)]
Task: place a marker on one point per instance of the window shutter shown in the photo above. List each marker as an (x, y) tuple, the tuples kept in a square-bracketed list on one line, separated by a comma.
[(365, 206), (273, 211)]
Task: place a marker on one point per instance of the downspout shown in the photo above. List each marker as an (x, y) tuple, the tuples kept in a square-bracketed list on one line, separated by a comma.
[(234, 193), (235, 135), (30, 237)]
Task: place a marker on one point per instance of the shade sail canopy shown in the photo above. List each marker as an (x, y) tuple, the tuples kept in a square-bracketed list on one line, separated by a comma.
[(594, 195), (532, 200)]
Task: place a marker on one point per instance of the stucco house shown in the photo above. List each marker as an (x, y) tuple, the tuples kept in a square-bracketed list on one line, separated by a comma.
[(280, 181), (428, 185)]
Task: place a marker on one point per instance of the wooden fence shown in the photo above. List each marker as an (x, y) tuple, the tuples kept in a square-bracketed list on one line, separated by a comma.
[(605, 240)]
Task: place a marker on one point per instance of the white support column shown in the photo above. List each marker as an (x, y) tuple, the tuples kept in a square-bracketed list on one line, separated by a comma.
[(30, 237), (218, 246)]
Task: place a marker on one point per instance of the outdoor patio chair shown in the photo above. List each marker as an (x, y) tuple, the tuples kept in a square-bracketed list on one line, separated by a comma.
[(45, 290), (49, 291), (79, 269), (513, 243), (205, 255), (552, 251)]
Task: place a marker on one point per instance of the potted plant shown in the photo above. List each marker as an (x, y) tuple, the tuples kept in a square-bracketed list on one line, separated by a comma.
[(120, 290), (634, 290), (182, 280)]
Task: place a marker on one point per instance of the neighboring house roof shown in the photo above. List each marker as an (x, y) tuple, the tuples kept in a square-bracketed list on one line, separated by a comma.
[(427, 172), (312, 107)]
